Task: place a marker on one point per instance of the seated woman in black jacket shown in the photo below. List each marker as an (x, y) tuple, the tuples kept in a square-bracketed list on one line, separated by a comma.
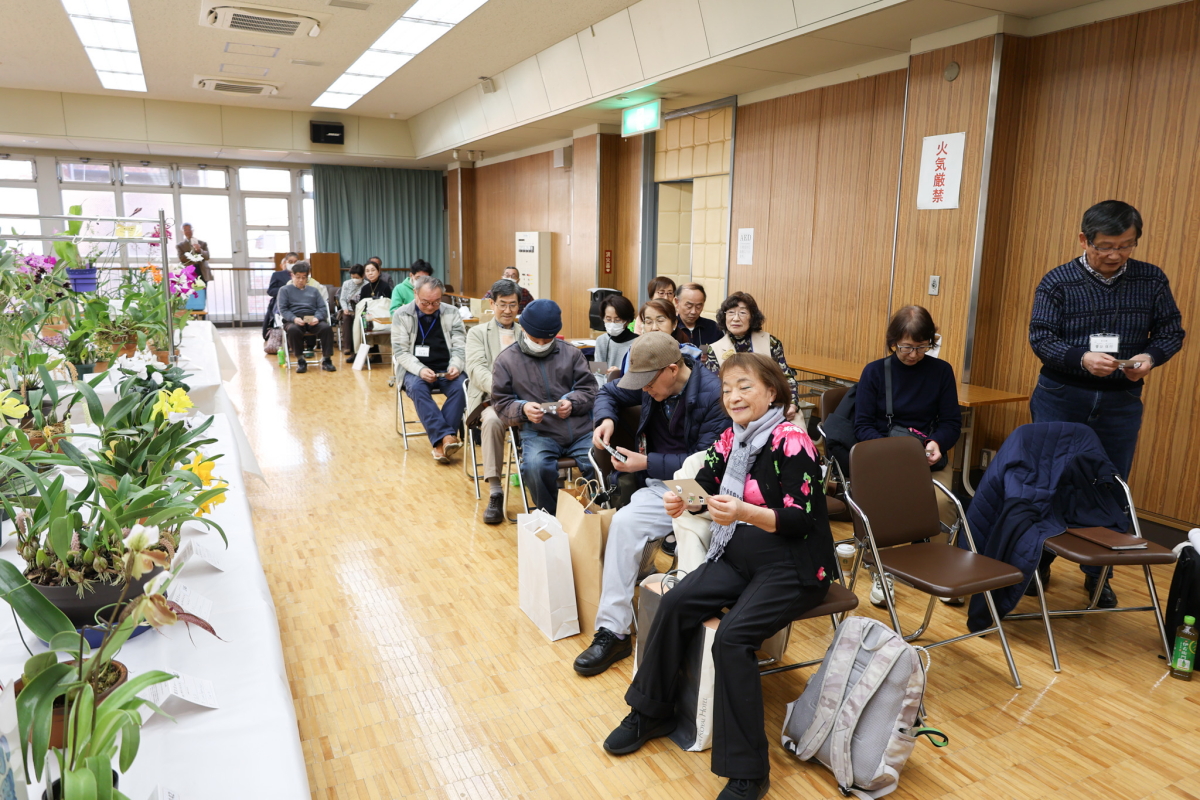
[(924, 399), (770, 559)]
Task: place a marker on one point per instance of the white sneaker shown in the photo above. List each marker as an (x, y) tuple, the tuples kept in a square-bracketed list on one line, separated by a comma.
[(877, 592)]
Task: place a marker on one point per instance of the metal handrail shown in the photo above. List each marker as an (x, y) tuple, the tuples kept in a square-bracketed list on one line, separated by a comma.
[(78, 218)]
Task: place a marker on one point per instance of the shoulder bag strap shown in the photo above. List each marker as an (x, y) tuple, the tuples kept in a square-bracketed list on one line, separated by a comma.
[(887, 382)]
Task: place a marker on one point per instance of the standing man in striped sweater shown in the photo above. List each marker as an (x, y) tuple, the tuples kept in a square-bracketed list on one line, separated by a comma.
[(1100, 323)]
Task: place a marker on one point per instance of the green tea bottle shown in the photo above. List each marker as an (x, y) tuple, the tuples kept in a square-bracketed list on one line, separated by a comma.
[(1183, 658), (282, 358)]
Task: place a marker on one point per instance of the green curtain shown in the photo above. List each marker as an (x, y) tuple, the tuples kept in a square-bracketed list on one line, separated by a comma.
[(396, 214)]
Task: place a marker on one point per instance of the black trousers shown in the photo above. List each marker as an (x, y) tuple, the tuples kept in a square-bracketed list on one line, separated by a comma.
[(296, 333), (756, 578)]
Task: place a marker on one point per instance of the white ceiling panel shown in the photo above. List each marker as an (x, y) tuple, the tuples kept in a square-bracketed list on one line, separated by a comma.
[(526, 89), (184, 151), (610, 54), (469, 105), (894, 27), (1027, 8), (669, 35), (109, 146), (730, 24), (810, 55), (564, 74), (498, 106), (809, 12)]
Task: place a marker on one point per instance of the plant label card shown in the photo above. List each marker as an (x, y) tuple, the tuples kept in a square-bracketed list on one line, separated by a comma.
[(196, 691), (193, 602), (163, 793), (12, 772), (192, 551)]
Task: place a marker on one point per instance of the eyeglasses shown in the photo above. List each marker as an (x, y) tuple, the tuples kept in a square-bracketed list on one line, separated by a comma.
[(908, 349), (1106, 249), (507, 306), (739, 313)]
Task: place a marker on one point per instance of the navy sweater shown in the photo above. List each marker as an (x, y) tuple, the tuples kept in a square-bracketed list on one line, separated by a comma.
[(924, 396), (1070, 305)]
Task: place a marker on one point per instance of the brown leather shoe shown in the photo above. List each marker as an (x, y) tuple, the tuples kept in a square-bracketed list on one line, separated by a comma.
[(451, 445), (440, 456)]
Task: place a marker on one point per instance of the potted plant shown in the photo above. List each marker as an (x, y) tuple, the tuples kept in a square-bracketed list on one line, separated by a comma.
[(81, 270)]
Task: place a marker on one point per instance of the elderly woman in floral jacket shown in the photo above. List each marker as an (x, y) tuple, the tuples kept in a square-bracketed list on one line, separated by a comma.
[(770, 559)]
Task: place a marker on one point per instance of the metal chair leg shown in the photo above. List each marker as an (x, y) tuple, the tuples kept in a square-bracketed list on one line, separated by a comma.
[(1158, 617), (474, 472), (1037, 580), (1012, 665), (1103, 579)]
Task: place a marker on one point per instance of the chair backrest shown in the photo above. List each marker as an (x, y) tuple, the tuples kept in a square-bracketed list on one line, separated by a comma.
[(625, 434), (894, 488), (830, 399)]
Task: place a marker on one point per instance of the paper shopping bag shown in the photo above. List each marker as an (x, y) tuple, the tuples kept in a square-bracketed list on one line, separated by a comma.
[(587, 532), (545, 586), (360, 358), (694, 697)]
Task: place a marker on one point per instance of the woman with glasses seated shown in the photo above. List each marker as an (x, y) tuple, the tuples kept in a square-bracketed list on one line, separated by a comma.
[(742, 323), (659, 288), (924, 398), (660, 315)]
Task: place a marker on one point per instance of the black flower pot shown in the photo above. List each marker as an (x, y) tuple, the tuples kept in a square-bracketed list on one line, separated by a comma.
[(82, 610)]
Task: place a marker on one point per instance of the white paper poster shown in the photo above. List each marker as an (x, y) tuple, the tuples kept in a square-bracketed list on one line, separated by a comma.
[(941, 170), (745, 251)]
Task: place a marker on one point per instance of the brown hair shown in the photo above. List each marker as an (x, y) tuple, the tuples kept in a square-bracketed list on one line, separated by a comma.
[(764, 370), (668, 310), (756, 317), (912, 321), (658, 284)]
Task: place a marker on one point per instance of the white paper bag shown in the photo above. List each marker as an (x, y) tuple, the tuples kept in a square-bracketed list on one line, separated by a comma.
[(545, 584), (360, 358)]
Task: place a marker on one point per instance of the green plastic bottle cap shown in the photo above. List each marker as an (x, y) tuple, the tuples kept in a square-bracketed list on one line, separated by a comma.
[(1189, 620)]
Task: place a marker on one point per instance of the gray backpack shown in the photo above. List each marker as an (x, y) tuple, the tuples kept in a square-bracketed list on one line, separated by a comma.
[(860, 714)]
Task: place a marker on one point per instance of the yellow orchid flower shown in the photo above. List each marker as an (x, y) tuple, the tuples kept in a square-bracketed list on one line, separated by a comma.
[(11, 406), (206, 508), (161, 408), (179, 400), (202, 469)]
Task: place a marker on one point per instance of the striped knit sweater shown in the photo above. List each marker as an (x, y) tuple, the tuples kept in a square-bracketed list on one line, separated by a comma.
[(1070, 305)]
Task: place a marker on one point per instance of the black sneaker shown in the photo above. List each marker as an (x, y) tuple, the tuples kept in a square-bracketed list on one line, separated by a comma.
[(350, 358), (1108, 598), (301, 366), (494, 513), (634, 731), (1031, 589), (606, 649), (668, 545), (327, 365), (743, 789)]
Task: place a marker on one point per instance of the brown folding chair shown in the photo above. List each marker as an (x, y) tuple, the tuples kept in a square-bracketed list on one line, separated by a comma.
[(893, 496), (835, 506), (1082, 551), (838, 601)]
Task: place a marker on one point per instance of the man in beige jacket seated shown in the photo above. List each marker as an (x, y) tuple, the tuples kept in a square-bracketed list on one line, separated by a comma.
[(484, 343)]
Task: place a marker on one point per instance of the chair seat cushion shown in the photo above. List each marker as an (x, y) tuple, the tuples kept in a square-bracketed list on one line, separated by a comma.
[(948, 571), (1081, 551), (838, 511), (567, 463), (837, 600)]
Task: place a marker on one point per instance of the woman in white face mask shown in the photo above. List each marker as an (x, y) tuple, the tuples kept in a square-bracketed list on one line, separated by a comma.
[(614, 343), (349, 291)]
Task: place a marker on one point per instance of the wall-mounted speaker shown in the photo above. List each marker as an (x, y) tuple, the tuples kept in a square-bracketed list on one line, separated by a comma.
[(326, 132)]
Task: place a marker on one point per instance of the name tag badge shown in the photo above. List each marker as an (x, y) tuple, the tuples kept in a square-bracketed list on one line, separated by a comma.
[(1104, 343), (421, 351)]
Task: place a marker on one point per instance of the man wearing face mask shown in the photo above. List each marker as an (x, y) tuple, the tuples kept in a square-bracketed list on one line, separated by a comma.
[(346, 297), (540, 372)]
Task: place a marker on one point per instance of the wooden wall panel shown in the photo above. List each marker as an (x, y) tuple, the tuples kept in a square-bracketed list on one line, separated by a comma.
[(460, 230), (815, 176), (571, 285), (609, 188), (627, 267), (942, 242)]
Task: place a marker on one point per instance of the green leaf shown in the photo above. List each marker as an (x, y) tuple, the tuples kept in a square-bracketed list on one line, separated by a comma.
[(38, 613), (129, 690), (101, 768), (95, 408), (69, 642), (131, 739), (35, 665), (84, 706), (34, 706), (79, 784)]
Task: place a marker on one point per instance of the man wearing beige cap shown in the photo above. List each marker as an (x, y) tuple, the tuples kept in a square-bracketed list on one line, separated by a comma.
[(682, 414)]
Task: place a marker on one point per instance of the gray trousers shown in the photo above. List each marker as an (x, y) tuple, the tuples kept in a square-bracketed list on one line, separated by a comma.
[(632, 528), (491, 438)]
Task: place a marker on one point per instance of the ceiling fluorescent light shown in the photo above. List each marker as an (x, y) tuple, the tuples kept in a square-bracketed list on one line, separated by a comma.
[(422, 25), (105, 28), (334, 100)]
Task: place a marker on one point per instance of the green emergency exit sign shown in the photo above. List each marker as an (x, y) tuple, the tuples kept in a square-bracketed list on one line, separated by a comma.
[(641, 119)]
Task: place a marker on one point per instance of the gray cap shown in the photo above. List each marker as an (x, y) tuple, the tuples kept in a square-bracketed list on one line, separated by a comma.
[(648, 354)]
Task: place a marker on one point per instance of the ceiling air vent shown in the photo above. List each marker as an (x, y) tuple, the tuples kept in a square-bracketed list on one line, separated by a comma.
[(236, 87), (261, 20)]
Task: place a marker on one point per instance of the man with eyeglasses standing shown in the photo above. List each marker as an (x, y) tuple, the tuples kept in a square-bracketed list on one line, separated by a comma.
[(1100, 323)]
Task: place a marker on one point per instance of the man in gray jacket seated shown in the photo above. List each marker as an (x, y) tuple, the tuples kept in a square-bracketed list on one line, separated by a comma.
[(304, 311), (429, 349), (484, 343), (545, 385)]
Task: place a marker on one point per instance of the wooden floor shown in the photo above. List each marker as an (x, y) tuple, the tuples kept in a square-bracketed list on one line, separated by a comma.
[(415, 674)]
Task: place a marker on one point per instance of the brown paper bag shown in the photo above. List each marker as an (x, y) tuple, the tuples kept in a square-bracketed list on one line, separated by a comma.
[(587, 531)]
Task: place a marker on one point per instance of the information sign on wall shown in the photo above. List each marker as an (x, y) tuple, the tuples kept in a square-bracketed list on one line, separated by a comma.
[(641, 119), (745, 247), (941, 170)]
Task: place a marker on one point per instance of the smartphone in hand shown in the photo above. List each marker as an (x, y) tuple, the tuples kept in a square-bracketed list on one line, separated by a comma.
[(617, 456)]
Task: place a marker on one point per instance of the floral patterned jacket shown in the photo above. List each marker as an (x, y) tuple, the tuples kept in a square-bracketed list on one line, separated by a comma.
[(785, 478)]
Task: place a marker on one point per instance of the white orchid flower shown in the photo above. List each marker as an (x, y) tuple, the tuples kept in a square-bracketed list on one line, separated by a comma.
[(157, 377), (141, 537)]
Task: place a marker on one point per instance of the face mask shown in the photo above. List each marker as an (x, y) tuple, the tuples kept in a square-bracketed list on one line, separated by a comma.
[(534, 347), (614, 328), (357, 281)]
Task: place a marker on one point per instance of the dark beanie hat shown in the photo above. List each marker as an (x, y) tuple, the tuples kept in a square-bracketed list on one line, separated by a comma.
[(542, 318)]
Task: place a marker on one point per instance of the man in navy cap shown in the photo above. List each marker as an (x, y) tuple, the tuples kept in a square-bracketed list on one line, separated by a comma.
[(544, 385)]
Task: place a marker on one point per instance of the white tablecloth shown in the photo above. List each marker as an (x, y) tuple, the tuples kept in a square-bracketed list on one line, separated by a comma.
[(202, 354), (250, 745)]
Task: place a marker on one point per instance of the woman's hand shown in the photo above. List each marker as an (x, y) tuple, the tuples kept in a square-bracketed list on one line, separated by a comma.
[(674, 505), (724, 510), (791, 412), (933, 452)]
